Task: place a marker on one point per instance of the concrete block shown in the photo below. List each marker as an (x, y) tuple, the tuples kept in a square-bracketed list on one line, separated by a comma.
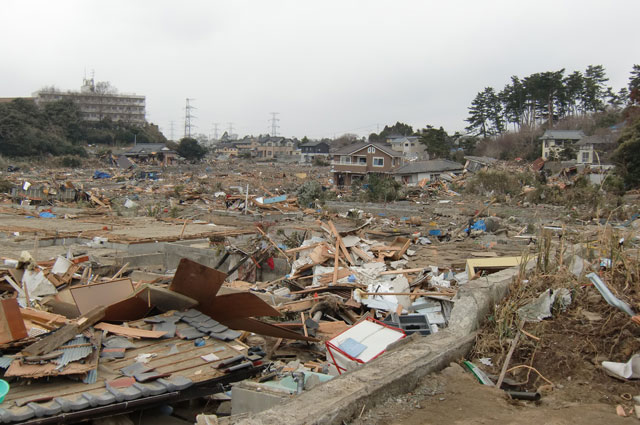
[(250, 400)]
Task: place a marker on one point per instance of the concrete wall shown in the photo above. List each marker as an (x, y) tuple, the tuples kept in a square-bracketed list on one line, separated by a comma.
[(174, 252)]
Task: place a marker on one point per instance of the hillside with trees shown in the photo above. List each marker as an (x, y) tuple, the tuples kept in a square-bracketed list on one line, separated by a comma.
[(28, 130)]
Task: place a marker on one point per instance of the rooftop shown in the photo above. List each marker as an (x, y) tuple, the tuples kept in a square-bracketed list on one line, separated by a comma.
[(430, 166), (347, 150), (563, 134)]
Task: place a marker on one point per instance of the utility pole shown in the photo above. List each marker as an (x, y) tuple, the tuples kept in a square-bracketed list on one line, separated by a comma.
[(274, 123), (171, 132), (188, 117), (230, 129)]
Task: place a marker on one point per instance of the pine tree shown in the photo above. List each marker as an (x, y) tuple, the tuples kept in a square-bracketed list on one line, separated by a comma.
[(634, 84)]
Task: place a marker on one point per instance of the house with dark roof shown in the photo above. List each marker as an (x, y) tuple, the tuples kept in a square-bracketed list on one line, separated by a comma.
[(431, 170), (555, 141), (353, 162), (155, 153), (272, 147), (313, 149)]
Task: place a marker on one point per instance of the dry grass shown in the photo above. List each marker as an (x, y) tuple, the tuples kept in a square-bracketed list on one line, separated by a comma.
[(572, 342)]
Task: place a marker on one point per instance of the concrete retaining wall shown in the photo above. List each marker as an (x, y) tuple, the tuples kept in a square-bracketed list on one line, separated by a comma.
[(399, 370)]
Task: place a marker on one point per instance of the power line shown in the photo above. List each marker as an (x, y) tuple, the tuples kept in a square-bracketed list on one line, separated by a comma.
[(188, 117), (274, 123)]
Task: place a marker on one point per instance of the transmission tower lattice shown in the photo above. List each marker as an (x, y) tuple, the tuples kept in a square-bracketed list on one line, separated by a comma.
[(274, 123), (188, 118)]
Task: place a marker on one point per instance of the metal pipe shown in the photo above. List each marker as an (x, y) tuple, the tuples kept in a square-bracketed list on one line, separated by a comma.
[(524, 395)]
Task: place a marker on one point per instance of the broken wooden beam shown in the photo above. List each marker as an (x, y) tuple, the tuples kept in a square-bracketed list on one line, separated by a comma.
[(64, 334)]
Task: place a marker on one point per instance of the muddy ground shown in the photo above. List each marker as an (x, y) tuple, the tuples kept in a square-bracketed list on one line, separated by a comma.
[(453, 396)]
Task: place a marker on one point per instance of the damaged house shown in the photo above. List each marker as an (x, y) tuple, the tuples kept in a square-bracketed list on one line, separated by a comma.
[(353, 162), (427, 171)]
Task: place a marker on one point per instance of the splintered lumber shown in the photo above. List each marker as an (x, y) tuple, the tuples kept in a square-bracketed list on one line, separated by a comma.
[(340, 243), (303, 248), (273, 243), (129, 332), (401, 271), (419, 294), (505, 365), (43, 318), (328, 288), (326, 278), (119, 272), (362, 254), (64, 334), (336, 263), (300, 305)]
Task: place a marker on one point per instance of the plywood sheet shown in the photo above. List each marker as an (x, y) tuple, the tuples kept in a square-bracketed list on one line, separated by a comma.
[(12, 325), (88, 297)]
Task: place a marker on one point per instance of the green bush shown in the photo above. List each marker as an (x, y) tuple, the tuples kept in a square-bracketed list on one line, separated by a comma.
[(309, 192), (382, 188), (499, 182), (614, 184)]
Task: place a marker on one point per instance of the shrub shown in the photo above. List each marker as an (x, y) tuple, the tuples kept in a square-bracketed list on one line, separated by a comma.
[(71, 162), (382, 188), (499, 182), (319, 161), (309, 192)]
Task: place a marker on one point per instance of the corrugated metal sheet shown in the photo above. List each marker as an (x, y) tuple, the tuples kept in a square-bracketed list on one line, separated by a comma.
[(5, 361), (75, 353), (92, 377)]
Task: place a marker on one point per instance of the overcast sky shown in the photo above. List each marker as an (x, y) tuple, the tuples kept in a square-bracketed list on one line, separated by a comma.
[(328, 67)]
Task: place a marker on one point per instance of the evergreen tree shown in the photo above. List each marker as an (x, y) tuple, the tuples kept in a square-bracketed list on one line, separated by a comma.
[(594, 88), (478, 116), (437, 141), (634, 85), (574, 90)]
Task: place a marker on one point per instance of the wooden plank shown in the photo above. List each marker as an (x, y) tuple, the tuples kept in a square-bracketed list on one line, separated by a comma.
[(334, 280), (128, 332), (327, 277), (11, 322), (340, 243), (64, 334), (426, 294), (43, 317), (273, 243), (402, 271), (362, 254), (303, 248)]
